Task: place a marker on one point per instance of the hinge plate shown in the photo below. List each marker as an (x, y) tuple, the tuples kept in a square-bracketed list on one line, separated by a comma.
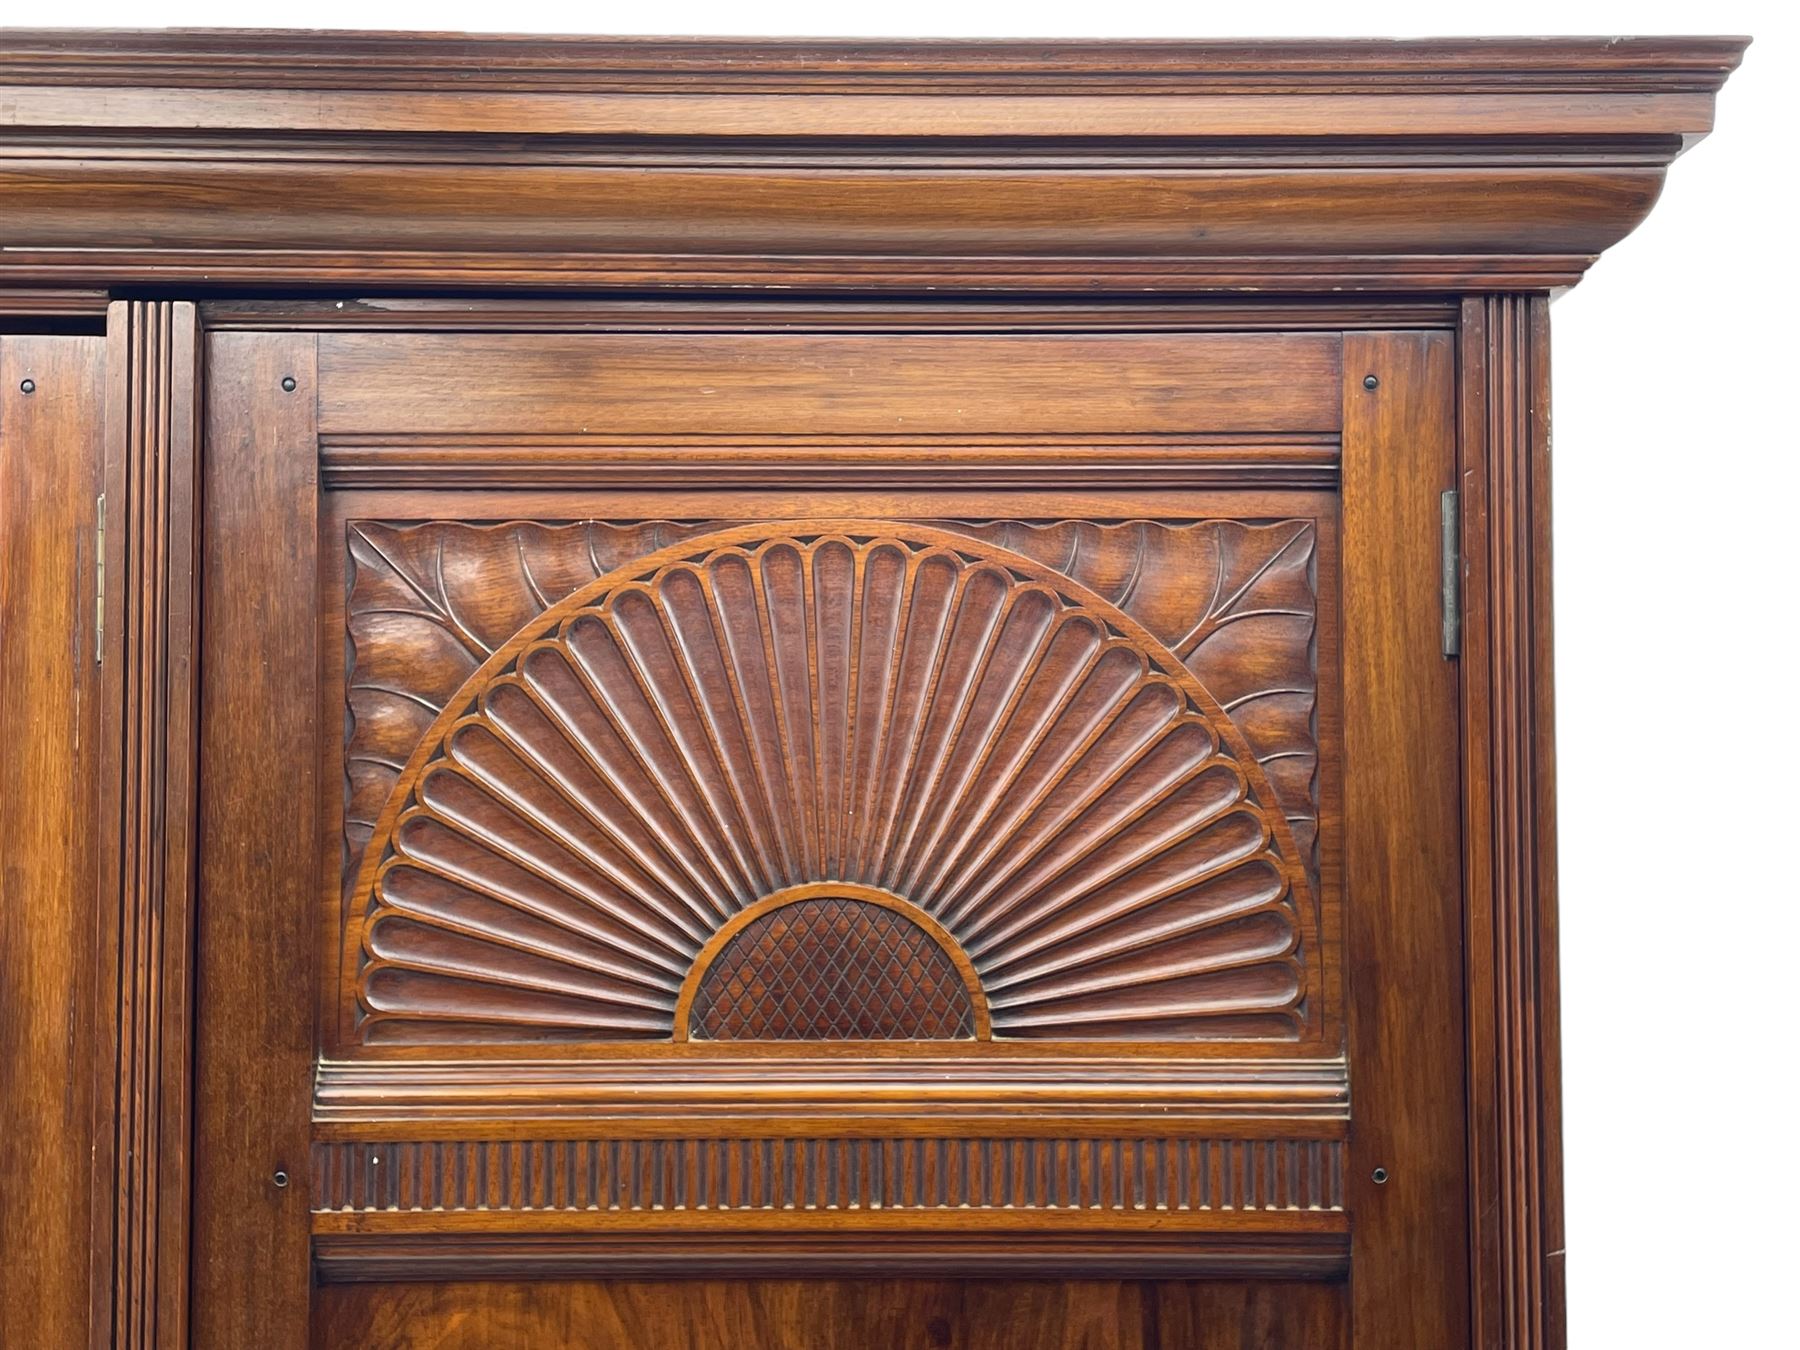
[(1450, 564), (100, 579)]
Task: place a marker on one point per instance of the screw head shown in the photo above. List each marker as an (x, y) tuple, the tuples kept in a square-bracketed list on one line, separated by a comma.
[(1379, 1176), (280, 1179), (1370, 382), (28, 386), (289, 383)]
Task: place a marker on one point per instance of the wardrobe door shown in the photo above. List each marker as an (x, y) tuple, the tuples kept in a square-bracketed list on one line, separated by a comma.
[(52, 434), (931, 831)]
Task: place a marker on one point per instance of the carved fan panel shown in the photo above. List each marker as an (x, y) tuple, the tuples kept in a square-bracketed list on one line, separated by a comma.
[(1236, 601), (934, 718)]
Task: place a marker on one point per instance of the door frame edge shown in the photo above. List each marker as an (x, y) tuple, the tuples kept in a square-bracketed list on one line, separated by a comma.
[(1514, 1086)]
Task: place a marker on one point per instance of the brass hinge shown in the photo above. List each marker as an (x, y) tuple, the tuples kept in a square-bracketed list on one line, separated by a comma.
[(1450, 564), (100, 578)]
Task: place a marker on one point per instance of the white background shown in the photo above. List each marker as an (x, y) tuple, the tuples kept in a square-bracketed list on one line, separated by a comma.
[(1675, 534)]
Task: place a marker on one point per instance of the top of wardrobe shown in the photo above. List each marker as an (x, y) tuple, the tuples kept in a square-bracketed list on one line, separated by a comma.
[(299, 59), (351, 159)]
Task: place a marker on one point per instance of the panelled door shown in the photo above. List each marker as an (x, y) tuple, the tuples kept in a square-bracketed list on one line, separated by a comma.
[(815, 826)]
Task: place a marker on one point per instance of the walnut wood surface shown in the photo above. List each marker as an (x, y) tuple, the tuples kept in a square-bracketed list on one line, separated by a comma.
[(735, 656), (771, 384), (427, 603), (748, 711), (1402, 847), (254, 1044), (1269, 299), (50, 781), (233, 158), (828, 961), (815, 1315), (1510, 822), (275, 59), (145, 923)]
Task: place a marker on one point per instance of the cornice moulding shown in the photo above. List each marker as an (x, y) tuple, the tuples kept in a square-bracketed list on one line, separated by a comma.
[(356, 160), (223, 58)]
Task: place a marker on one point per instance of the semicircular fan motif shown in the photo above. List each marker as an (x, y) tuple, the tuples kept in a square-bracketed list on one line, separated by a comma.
[(889, 706)]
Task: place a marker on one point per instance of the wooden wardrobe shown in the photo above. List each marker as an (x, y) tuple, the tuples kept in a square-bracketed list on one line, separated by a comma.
[(782, 695)]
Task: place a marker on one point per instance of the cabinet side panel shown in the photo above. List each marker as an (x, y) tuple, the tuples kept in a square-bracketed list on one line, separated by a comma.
[(50, 447), (1515, 1098)]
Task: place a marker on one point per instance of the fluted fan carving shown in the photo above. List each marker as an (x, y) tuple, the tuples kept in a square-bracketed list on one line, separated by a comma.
[(1236, 600), (429, 603), (898, 708)]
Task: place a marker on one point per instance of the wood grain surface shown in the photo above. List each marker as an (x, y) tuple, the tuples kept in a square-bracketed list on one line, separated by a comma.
[(1054, 167), (50, 781), (254, 1049), (763, 658), (825, 1315)]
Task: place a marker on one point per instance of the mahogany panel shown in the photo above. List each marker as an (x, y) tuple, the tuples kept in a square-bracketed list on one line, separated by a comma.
[(483, 582), (1223, 1315), (428, 600), (52, 401), (845, 384)]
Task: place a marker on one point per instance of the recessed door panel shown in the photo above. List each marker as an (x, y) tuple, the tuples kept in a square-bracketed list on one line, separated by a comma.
[(930, 860)]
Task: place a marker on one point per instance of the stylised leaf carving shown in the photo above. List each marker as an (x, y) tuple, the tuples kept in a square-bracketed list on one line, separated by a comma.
[(426, 604)]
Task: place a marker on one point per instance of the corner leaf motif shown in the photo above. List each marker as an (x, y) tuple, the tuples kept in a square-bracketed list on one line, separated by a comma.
[(426, 604)]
